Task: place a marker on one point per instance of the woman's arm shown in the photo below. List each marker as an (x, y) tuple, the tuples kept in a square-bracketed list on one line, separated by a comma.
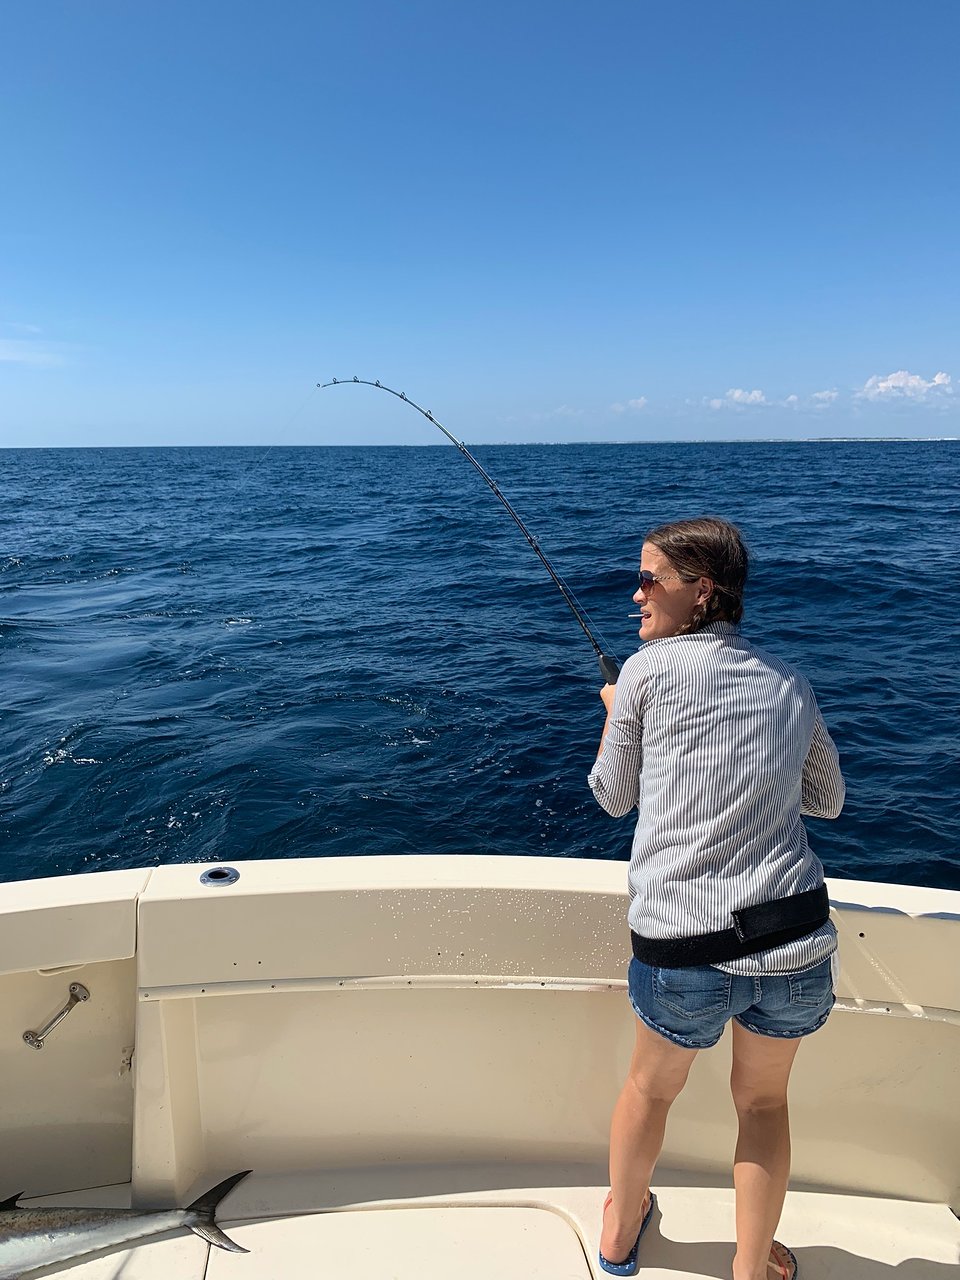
[(822, 788), (607, 696), (615, 777)]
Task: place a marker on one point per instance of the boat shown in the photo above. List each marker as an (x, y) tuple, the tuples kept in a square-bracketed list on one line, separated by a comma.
[(418, 1056)]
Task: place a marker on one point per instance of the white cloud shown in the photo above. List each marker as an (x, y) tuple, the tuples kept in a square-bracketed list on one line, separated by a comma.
[(19, 351), (737, 398), (635, 405), (902, 385), (544, 415), (746, 397), (818, 400)]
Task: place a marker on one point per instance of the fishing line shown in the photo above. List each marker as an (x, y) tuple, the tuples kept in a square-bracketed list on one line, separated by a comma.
[(609, 667), (284, 426)]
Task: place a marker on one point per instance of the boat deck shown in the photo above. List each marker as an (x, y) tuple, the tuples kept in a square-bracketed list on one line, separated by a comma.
[(418, 1057), (528, 1232)]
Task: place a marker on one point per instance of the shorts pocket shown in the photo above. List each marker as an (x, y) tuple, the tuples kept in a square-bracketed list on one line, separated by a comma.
[(813, 987), (692, 992)]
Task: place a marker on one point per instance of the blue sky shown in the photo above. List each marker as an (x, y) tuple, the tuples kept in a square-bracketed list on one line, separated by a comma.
[(545, 221)]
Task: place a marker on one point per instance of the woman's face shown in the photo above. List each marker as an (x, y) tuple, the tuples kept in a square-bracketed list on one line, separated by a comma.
[(667, 605)]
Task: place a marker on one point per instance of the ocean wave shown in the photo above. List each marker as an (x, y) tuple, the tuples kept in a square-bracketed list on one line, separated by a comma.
[(355, 651)]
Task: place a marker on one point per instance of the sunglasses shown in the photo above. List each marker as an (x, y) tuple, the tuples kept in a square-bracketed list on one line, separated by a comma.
[(649, 580)]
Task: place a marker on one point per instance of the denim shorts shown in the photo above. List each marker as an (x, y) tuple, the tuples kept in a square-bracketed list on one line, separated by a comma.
[(692, 1006)]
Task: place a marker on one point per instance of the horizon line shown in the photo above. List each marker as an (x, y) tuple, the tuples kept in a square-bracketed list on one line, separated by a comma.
[(512, 444)]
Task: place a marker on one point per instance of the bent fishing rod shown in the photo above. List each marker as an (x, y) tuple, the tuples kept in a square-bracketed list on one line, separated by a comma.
[(609, 667)]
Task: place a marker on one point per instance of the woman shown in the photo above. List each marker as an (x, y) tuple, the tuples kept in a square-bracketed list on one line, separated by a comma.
[(721, 747)]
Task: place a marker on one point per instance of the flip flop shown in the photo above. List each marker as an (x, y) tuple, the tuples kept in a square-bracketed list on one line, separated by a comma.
[(778, 1266), (630, 1265)]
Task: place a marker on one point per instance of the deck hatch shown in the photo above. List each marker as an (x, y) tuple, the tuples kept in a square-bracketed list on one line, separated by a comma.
[(469, 1242)]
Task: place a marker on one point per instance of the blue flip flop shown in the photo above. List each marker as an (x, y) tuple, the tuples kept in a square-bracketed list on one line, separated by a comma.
[(630, 1265)]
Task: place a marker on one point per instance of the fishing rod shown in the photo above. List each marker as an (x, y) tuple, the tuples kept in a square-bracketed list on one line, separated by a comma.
[(609, 667)]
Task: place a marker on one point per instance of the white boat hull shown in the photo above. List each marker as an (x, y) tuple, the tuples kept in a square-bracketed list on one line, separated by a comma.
[(437, 1042)]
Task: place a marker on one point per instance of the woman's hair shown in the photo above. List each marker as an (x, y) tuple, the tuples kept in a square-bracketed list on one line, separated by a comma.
[(711, 548)]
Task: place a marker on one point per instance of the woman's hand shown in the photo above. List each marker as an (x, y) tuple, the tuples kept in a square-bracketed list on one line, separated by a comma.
[(607, 695)]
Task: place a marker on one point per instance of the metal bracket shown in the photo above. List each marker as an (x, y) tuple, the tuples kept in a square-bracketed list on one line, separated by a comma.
[(78, 993)]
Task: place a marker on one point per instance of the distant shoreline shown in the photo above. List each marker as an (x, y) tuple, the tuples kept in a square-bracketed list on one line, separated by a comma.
[(495, 444)]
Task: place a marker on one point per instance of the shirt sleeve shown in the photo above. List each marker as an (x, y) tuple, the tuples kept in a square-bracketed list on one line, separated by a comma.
[(615, 778), (822, 788)]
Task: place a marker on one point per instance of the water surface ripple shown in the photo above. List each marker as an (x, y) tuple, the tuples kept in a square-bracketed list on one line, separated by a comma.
[(214, 654)]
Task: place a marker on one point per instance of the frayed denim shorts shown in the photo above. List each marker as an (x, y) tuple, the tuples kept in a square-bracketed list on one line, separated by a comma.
[(692, 1006)]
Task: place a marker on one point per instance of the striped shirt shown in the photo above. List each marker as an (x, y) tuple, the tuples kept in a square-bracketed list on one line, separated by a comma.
[(721, 747)]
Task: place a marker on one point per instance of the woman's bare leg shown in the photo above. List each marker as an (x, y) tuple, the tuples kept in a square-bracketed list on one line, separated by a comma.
[(658, 1072), (761, 1169)]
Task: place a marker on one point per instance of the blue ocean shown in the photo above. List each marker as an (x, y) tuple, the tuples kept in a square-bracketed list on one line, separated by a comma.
[(233, 653)]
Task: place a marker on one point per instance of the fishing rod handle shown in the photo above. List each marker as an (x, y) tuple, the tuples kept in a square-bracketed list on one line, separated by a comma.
[(609, 668)]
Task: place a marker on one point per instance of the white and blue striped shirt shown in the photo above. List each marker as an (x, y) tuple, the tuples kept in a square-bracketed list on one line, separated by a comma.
[(721, 747)]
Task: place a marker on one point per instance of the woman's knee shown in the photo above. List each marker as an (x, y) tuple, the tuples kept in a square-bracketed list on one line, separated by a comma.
[(761, 1071), (661, 1080), (757, 1096), (663, 1087)]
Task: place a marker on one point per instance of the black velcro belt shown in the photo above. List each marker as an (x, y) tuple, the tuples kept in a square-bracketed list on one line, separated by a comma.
[(766, 924)]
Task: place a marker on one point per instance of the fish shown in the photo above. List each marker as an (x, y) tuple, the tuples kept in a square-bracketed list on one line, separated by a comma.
[(33, 1238)]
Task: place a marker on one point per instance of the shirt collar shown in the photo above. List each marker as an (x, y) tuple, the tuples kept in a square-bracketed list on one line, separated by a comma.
[(713, 630)]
